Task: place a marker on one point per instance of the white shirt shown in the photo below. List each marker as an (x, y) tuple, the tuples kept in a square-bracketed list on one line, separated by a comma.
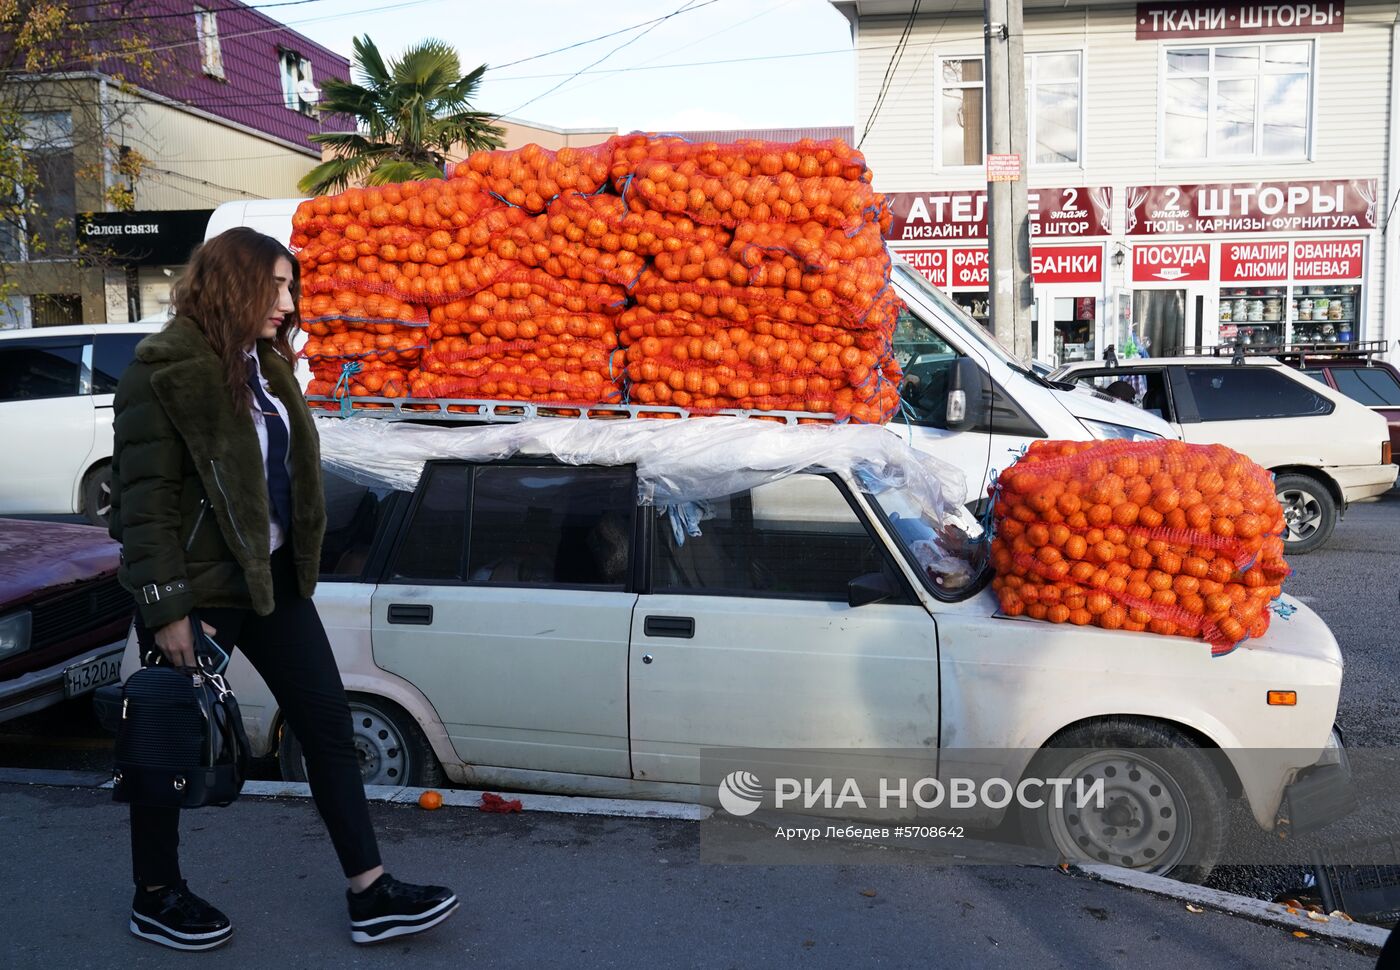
[(275, 534)]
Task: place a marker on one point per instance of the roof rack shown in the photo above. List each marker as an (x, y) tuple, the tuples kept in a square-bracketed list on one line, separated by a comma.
[(474, 411), (1295, 351)]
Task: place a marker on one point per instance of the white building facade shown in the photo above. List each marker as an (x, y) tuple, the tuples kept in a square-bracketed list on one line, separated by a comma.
[(1199, 172)]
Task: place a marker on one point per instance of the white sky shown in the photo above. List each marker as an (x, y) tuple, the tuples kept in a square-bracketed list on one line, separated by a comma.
[(796, 91)]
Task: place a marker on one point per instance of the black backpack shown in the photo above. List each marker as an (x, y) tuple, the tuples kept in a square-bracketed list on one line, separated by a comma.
[(180, 740)]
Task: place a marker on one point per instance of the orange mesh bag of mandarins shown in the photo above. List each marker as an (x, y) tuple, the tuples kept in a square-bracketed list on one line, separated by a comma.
[(1163, 536)]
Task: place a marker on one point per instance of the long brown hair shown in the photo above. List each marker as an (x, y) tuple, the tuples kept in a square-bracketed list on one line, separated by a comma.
[(227, 291)]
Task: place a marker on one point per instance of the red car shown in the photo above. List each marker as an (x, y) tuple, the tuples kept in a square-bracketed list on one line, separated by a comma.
[(63, 615)]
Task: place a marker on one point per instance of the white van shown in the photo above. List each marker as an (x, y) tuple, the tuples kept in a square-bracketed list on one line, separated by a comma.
[(967, 400), (57, 385)]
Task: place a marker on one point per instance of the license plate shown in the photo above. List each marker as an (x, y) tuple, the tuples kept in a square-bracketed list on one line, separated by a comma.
[(91, 674)]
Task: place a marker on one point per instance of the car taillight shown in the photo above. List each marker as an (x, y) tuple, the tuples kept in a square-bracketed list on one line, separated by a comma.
[(1385, 453)]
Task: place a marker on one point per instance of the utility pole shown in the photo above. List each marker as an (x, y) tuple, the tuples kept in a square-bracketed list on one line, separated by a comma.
[(1008, 224)]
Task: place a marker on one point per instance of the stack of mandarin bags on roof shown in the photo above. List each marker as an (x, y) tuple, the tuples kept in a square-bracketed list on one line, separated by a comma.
[(645, 270), (1163, 536)]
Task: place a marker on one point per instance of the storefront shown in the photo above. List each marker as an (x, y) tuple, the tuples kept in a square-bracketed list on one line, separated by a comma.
[(1247, 152), (1068, 226), (1271, 264), (142, 254)]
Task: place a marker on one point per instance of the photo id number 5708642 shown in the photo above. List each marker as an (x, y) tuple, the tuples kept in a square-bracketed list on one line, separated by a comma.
[(928, 832)]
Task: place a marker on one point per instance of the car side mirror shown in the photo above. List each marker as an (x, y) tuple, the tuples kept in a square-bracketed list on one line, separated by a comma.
[(967, 400), (870, 588)]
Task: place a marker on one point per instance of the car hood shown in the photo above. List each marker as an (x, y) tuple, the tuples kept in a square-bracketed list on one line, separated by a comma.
[(39, 556), (1089, 405)]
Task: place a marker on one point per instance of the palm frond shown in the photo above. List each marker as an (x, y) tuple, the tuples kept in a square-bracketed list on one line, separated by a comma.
[(370, 63), (334, 174), (403, 171)]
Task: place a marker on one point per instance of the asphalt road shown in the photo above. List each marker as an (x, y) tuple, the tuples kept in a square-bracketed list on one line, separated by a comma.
[(1353, 582), (542, 890)]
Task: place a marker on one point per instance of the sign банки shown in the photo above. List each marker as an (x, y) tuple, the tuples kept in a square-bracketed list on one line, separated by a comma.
[(955, 215), (1319, 205), (1176, 21)]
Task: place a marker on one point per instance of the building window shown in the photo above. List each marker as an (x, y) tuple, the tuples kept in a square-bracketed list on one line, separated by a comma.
[(211, 56), (41, 225), (1053, 87), (298, 87), (1054, 99), (961, 103), (1237, 101)]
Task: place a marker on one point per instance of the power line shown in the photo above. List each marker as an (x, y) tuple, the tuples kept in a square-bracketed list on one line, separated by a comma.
[(212, 185), (197, 8), (582, 43), (890, 71), (688, 7)]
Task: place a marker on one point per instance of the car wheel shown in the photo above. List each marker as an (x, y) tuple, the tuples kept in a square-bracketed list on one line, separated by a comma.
[(1309, 512), (97, 494), (391, 747), (1164, 808)]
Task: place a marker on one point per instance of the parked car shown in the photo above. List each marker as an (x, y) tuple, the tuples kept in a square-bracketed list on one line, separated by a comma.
[(1325, 450), (56, 390), (1374, 383), (521, 622), (63, 616)]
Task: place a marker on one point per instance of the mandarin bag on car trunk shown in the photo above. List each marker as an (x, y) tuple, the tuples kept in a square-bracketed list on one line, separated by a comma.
[(180, 740)]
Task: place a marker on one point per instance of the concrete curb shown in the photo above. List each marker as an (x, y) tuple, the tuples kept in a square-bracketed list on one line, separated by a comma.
[(1353, 934), (453, 797)]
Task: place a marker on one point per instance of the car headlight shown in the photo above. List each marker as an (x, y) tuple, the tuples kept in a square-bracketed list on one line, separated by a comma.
[(1106, 431), (14, 634)]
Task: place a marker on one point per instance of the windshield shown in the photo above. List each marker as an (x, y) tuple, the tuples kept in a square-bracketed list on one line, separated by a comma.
[(914, 281)]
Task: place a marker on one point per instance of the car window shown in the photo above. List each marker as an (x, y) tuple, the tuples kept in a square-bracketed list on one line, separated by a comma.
[(433, 547), (34, 371), (928, 362), (521, 525), (1146, 389), (551, 526), (796, 538), (1371, 386), (353, 512), (1240, 393), (111, 352)]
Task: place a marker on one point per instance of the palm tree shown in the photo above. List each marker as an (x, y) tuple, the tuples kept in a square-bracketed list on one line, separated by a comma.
[(410, 114)]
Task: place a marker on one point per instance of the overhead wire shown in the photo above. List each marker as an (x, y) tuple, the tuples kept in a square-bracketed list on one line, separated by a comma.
[(689, 6), (890, 70)]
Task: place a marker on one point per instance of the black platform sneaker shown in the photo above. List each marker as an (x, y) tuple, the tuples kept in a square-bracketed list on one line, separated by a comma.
[(175, 917), (389, 908)]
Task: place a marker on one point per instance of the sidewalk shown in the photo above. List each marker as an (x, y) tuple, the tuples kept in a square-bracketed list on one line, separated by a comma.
[(582, 891)]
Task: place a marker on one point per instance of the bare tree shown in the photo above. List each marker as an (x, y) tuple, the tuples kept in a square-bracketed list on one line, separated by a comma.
[(68, 71)]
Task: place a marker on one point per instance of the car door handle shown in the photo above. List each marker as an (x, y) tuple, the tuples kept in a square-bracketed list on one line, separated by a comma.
[(414, 614), (681, 627)]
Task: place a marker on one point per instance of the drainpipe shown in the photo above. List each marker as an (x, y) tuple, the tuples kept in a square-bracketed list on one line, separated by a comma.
[(1391, 301)]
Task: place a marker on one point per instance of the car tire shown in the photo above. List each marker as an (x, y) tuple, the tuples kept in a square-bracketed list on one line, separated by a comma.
[(391, 747), (97, 494), (1309, 510), (1152, 773)]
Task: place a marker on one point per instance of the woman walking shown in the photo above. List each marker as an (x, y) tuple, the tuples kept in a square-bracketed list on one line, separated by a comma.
[(218, 505)]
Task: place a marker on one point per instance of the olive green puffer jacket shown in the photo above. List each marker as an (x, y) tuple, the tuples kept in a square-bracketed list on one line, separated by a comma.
[(189, 492)]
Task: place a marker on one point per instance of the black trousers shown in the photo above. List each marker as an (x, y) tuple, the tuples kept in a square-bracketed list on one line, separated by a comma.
[(290, 650)]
